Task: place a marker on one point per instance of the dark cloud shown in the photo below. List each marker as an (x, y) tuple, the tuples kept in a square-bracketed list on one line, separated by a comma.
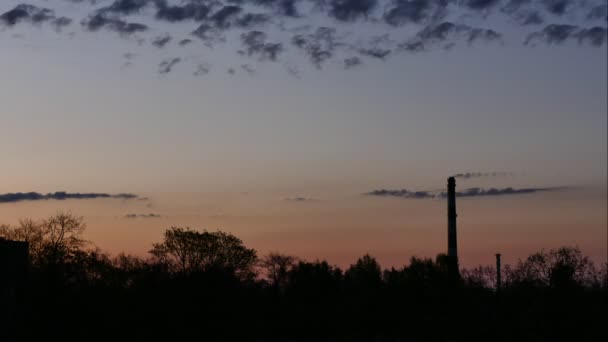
[(414, 11), (529, 18), (319, 46), (27, 13), (557, 7), (202, 69), (216, 20), (475, 192), (560, 33), (250, 20), (349, 10), (512, 6), (195, 10), (61, 22), (479, 5), (468, 175), (449, 32), (286, 8), (471, 192), (599, 12), (301, 199), (375, 52), (352, 62), (208, 34), (100, 20), (185, 42), (167, 65), (125, 7), (151, 215), (595, 36), (256, 45), (248, 69), (60, 195), (161, 41), (225, 17), (401, 193)]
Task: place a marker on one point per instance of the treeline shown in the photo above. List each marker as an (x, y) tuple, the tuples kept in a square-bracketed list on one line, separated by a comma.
[(209, 286)]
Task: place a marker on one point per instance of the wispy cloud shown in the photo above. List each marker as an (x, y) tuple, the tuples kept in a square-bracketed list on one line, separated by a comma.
[(476, 192), (300, 199), (133, 216), (60, 195), (401, 193), (469, 175), (470, 192)]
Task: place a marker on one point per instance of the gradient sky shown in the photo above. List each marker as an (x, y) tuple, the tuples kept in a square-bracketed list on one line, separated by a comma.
[(283, 161)]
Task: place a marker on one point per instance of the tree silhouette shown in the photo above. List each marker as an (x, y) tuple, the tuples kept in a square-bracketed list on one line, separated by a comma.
[(52, 240), (62, 235), (277, 267), (557, 268), (187, 251)]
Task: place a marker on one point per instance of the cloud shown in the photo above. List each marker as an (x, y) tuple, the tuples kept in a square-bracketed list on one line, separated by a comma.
[(282, 7), (300, 199), (61, 22), (167, 65), (349, 10), (468, 175), (476, 192), (375, 53), (560, 33), (480, 5), (202, 69), (208, 34), (151, 215), (59, 195), (314, 25), (415, 11), (225, 17), (470, 192), (319, 46), (248, 69), (100, 20), (197, 11), (185, 42), (256, 45), (250, 20), (401, 193), (448, 32), (557, 7), (352, 62), (33, 15), (125, 7), (599, 12), (161, 41)]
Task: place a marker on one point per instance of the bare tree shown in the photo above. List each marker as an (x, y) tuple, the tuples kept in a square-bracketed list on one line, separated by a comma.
[(277, 267), (62, 235), (565, 266)]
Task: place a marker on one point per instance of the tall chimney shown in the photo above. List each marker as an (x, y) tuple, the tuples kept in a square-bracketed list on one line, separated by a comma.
[(498, 273), (452, 245)]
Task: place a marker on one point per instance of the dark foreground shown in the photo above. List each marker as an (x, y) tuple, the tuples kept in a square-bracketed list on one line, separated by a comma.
[(207, 286)]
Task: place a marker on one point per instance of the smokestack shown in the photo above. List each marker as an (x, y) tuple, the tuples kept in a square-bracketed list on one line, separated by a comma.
[(452, 244), (498, 273)]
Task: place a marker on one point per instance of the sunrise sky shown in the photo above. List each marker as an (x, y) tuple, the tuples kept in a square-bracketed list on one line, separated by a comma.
[(283, 136)]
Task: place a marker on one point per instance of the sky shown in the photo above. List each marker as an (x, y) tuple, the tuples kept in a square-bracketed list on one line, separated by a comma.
[(324, 129)]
